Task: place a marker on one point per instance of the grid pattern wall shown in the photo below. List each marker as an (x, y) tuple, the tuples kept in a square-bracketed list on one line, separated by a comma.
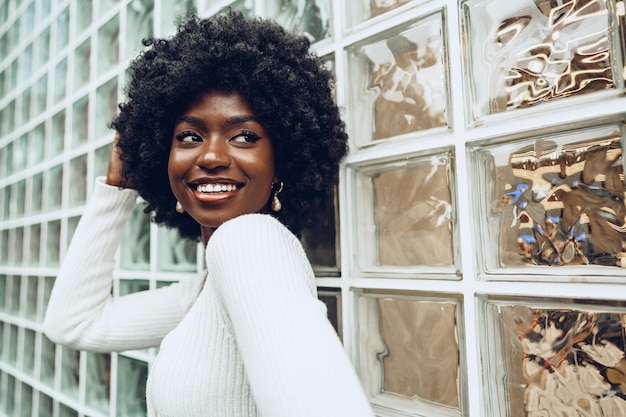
[(473, 265)]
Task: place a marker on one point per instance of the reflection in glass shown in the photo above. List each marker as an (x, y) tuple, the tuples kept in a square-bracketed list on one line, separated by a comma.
[(554, 357), (98, 380), (398, 82), (131, 387), (535, 52), (135, 246), (405, 213), (366, 9), (310, 18), (174, 252), (556, 200), (409, 352)]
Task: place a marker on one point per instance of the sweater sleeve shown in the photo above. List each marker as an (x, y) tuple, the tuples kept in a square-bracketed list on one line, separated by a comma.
[(82, 313), (295, 363)]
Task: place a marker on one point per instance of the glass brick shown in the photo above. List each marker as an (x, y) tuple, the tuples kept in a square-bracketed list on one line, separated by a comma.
[(20, 198), (135, 245), (48, 283), (41, 95), (405, 215), (13, 292), (12, 350), (101, 160), (20, 154), (60, 81), (48, 350), (80, 122), (331, 297), (56, 142), (358, 12), (53, 244), (398, 82), (55, 187), (25, 61), (108, 45), (72, 224), (34, 245), (70, 369), (84, 10), (82, 64), (309, 18), (45, 406), (16, 253), (130, 286), (545, 356), (43, 48), (9, 392), (36, 193), (98, 381), (169, 11), (529, 53), (554, 200), (106, 107), (131, 387), (29, 308), (4, 246), (36, 145), (408, 351), (320, 240), (174, 252), (78, 175), (139, 25), (3, 298), (25, 407), (65, 411), (26, 105), (62, 29), (28, 357)]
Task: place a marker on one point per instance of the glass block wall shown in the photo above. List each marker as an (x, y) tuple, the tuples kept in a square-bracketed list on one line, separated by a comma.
[(473, 265)]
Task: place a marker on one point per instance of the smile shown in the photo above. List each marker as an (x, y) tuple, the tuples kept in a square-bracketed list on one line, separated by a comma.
[(216, 188)]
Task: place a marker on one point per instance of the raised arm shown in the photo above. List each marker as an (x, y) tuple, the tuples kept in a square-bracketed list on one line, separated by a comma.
[(293, 358)]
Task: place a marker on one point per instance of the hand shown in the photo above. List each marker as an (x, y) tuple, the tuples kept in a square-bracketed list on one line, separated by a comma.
[(114, 174)]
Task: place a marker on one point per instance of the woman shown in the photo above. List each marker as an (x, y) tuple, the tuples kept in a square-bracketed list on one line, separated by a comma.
[(230, 135)]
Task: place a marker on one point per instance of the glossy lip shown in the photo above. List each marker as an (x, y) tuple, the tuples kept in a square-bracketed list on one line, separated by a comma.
[(218, 197)]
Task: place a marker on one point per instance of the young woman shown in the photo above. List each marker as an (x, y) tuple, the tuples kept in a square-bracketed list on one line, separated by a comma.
[(230, 135)]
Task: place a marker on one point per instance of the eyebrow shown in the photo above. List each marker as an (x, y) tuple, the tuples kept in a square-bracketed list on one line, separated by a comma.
[(231, 121)]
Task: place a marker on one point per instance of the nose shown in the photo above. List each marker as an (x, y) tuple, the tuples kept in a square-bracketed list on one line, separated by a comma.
[(214, 154)]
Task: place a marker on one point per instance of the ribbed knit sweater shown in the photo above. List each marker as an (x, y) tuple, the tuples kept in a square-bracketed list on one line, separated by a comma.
[(249, 340)]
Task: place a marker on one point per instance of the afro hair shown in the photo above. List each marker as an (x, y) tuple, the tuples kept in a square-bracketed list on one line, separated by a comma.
[(287, 86)]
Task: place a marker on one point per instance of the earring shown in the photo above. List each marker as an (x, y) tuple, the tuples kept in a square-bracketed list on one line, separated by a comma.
[(276, 204), (179, 207)]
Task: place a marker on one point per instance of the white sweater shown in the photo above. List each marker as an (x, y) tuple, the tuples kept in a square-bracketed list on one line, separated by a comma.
[(251, 340)]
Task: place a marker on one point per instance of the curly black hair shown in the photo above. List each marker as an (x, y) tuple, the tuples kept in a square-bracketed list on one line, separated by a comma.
[(287, 86)]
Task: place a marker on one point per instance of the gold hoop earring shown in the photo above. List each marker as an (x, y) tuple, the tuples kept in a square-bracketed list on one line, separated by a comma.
[(179, 207), (276, 204)]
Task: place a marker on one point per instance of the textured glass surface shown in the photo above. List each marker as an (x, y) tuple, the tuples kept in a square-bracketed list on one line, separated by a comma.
[(82, 64), (332, 299), (311, 18), (106, 107), (26, 105), (525, 53), (53, 244), (41, 96), (129, 286), (28, 356), (62, 29), (70, 368), (45, 405), (131, 387), (554, 357), (554, 200), (21, 198), (409, 352), (98, 381), (139, 25), (34, 245), (80, 122), (47, 361), (366, 9), (55, 187), (84, 9), (398, 82), (108, 35), (60, 80), (17, 251), (135, 245), (405, 213), (174, 252), (170, 10), (320, 240), (43, 47), (78, 178), (36, 145), (29, 303), (101, 160), (56, 142)]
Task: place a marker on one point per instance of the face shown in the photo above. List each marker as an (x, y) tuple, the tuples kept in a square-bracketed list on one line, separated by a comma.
[(221, 162)]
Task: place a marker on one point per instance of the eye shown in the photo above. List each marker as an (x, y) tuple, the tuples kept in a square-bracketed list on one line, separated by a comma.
[(188, 137), (246, 137)]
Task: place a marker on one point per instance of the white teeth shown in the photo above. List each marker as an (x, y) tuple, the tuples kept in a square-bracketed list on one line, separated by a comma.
[(216, 188)]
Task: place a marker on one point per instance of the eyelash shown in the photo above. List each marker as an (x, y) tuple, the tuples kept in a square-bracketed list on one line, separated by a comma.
[(250, 137)]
